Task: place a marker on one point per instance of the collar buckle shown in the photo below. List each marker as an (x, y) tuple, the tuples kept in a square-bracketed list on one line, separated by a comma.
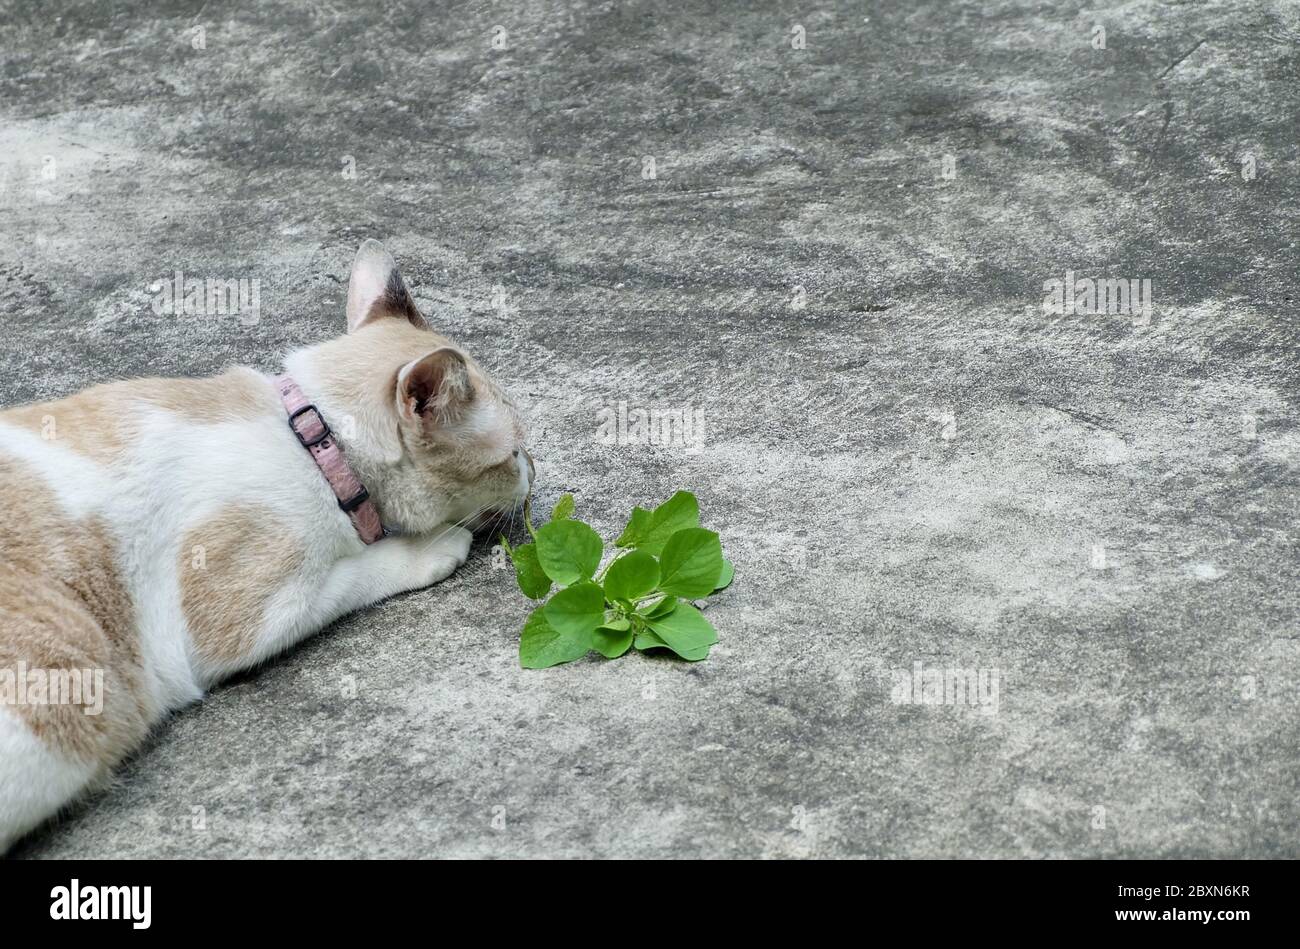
[(320, 420)]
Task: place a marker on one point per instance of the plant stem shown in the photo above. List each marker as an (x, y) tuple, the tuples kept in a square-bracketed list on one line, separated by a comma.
[(601, 576), (528, 515)]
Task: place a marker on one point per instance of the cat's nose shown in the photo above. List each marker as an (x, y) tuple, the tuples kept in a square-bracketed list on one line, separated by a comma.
[(532, 468)]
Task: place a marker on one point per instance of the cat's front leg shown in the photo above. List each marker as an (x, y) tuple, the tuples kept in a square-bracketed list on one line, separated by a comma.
[(391, 566), (327, 591)]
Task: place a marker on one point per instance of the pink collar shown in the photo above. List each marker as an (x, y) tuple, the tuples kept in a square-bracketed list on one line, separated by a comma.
[(309, 425)]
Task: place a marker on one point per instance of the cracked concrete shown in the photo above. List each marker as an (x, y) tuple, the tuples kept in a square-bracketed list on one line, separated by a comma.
[(840, 258)]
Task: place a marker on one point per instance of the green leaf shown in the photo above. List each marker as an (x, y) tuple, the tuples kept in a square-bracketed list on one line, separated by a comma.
[(563, 508), (542, 646), (612, 643), (631, 576), (727, 575), (577, 610), (528, 571), (679, 512), (660, 608), (648, 640), (617, 624), (568, 551), (691, 563), (636, 528), (685, 631)]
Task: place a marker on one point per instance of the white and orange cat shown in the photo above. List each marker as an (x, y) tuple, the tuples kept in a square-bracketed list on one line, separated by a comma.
[(159, 535)]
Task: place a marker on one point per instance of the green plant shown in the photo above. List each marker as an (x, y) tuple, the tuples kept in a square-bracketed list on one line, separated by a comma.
[(639, 600)]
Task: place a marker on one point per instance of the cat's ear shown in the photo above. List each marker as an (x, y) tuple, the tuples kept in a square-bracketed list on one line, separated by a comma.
[(436, 388), (376, 290)]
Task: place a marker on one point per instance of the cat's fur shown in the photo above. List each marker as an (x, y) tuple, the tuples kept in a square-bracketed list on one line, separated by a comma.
[(171, 532)]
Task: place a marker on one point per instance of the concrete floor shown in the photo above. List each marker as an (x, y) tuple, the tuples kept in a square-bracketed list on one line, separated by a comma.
[(840, 259)]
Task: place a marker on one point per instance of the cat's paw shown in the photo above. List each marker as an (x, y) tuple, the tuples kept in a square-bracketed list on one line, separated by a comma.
[(436, 556)]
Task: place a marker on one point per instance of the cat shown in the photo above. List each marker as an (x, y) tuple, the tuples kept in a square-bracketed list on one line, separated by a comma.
[(160, 535)]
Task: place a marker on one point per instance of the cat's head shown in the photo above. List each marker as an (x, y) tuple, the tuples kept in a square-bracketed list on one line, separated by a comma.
[(432, 436)]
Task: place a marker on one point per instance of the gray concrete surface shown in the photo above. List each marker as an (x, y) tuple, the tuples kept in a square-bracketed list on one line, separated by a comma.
[(909, 460)]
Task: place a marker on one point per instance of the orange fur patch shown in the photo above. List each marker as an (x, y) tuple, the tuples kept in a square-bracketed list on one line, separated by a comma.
[(101, 422), (64, 606), (229, 567)]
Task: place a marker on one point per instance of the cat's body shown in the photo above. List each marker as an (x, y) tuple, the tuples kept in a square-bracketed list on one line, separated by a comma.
[(168, 533)]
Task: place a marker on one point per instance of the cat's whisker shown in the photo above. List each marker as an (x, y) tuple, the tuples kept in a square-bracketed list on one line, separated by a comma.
[(512, 514), (461, 523)]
